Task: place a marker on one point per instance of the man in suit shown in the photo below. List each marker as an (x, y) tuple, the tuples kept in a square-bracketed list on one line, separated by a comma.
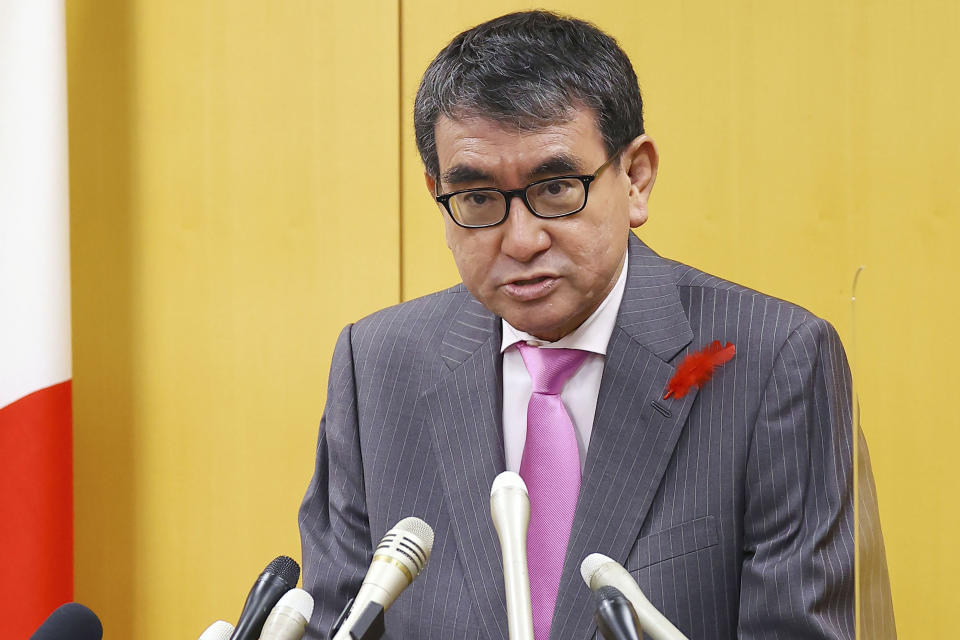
[(732, 504)]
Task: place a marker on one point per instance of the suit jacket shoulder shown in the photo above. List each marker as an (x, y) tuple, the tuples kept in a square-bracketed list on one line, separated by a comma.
[(723, 309), (412, 344)]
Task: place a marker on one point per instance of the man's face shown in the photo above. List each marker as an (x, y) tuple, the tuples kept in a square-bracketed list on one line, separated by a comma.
[(543, 276)]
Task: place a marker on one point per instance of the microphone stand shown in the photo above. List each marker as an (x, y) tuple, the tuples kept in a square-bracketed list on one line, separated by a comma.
[(369, 625)]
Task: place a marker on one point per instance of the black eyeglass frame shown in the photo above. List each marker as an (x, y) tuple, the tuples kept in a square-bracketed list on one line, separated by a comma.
[(508, 196)]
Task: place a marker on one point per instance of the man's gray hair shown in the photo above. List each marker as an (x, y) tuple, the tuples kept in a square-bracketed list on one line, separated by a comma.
[(529, 70)]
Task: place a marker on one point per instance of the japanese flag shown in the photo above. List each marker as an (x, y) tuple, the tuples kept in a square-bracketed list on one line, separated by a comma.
[(36, 460)]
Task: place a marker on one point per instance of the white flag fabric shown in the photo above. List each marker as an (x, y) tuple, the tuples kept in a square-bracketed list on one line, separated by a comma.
[(36, 518)]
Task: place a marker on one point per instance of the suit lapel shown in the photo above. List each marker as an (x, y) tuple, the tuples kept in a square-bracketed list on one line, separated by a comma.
[(632, 440), (464, 415)]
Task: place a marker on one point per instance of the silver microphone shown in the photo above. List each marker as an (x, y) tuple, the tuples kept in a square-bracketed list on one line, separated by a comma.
[(599, 571), (288, 619), (510, 509), (219, 630), (397, 560)]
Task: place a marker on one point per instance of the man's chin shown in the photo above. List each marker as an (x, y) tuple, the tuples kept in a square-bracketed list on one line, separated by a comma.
[(539, 326)]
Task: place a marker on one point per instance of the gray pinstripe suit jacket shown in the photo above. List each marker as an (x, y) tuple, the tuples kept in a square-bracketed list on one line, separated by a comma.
[(733, 506)]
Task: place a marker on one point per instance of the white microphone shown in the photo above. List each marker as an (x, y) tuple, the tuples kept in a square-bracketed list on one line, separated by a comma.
[(399, 558), (288, 619), (219, 630), (510, 509), (600, 571)]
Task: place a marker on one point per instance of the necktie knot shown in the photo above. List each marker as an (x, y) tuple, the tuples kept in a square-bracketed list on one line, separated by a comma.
[(550, 369)]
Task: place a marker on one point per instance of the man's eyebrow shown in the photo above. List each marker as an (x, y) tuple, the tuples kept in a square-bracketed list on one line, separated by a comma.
[(463, 173), (560, 164)]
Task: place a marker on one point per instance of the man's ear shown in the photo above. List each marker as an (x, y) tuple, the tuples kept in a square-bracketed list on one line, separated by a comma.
[(640, 161), (431, 186), (431, 183)]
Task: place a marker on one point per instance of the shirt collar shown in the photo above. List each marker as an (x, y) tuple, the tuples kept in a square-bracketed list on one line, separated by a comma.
[(593, 335)]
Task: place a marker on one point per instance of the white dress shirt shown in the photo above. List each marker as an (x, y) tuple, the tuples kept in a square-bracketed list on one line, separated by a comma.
[(579, 394)]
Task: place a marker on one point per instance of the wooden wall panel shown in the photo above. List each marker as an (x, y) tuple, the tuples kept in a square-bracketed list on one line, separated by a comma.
[(234, 202)]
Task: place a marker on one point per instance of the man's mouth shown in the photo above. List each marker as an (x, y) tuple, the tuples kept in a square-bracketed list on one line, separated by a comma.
[(531, 280), (528, 289)]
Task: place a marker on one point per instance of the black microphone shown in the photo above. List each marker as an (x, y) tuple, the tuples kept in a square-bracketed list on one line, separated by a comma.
[(280, 576), (615, 617), (71, 621)]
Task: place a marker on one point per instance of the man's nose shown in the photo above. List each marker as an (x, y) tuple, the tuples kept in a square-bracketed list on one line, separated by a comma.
[(524, 235)]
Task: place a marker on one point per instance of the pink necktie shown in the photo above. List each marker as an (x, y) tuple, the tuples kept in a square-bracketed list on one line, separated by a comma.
[(551, 469)]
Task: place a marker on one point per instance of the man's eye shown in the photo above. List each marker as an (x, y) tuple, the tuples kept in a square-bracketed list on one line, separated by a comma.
[(557, 188), (478, 198)]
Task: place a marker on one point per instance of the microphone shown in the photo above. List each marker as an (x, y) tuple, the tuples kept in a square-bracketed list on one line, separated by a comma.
[(71, 621), (280, 576), (397, 561), (510, 509), (600, 571), (219, 630), (288, 620), (615, 617)]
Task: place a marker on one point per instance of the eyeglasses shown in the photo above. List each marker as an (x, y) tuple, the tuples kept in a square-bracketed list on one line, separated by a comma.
[(551, 198)]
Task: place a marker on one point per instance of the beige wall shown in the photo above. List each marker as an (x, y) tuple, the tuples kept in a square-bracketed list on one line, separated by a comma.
[(234, 204), (245, 182)]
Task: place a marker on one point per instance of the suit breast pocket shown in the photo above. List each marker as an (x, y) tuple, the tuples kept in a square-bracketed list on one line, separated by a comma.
[(673, 542)]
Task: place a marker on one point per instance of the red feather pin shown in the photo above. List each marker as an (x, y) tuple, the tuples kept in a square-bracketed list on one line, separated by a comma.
[(698, 367)]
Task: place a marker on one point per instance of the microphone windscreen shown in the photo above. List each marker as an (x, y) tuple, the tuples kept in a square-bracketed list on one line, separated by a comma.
[(590, 565), (417, 527), (286, 568), (219, 630), (508, 480), (298, 600), (71, 621)]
